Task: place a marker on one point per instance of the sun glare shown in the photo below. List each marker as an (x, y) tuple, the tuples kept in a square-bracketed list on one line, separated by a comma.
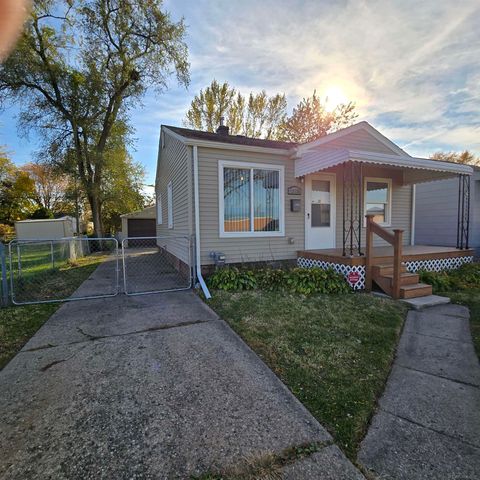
[(334, 96)]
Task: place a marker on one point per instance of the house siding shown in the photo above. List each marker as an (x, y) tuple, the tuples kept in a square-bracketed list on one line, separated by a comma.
[(359, 140), (436, 212), (175, 165), (250, 249)]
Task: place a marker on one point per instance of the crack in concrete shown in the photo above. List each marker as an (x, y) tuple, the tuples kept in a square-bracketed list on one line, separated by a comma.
[(461, 382), (56, 362), (440, 432), (93, 338)]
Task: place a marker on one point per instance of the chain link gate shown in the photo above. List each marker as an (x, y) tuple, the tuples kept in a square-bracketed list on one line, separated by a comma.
[(156, 264), (77, 268)]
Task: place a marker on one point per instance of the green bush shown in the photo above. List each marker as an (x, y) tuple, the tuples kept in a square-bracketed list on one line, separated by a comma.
[(305, 281), (440, 281), (463, 278), (232, 279)]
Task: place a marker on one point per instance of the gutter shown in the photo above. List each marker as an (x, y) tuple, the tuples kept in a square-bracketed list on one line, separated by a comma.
[(198, 265)]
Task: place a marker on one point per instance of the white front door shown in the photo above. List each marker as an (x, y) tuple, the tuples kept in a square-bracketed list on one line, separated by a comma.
[(320, 212)]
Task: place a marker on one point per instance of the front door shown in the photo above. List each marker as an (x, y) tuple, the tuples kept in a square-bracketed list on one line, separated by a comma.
[(320, 212)]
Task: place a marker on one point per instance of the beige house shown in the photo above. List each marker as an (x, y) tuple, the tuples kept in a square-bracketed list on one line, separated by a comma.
[(252, 200)]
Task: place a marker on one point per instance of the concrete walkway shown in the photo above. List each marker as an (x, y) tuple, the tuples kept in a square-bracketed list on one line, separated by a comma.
[(148, 387), (428, 423)]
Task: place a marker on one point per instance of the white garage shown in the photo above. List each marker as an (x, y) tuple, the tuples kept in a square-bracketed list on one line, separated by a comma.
[(45, 229)]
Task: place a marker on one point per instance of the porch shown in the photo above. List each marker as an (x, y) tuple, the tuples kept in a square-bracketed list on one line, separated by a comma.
[(384, 255), (413, 259)]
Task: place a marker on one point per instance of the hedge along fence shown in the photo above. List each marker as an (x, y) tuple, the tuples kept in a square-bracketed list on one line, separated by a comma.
[(305, 281)]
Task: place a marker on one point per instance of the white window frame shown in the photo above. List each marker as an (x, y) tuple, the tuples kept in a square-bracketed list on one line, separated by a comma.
[(170, 204), (388, 209), (159, 209), (221, 203)]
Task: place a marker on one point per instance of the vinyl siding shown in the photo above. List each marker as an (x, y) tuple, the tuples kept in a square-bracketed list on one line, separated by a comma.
[(436, 212), (250, 249), (401, 203), (359, 140), (175, 165)]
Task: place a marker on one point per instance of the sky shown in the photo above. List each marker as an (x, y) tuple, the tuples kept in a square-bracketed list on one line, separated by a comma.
[(411, 67)]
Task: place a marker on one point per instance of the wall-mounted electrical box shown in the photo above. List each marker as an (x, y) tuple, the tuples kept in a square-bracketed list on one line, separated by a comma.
[(294, 204), (218, 258)]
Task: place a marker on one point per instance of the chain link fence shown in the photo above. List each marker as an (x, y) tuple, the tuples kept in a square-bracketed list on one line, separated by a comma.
[(156, 264), (43, 271)]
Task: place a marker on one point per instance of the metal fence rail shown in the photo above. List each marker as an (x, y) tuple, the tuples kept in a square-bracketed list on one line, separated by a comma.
[(156, 264), (44, 271)]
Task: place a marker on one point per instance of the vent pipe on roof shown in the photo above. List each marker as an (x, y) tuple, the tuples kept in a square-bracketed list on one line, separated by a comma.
[(222, 129)]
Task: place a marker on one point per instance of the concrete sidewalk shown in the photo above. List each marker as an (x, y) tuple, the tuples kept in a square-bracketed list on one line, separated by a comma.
[(428, 423), (148, 387)]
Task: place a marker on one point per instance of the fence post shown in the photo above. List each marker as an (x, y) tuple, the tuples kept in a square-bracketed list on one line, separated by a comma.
[(53, 258), (4, 275)]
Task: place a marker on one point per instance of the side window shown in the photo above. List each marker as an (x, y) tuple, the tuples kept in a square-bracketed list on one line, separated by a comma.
[(378, 199), (159, 210), (170, 204)]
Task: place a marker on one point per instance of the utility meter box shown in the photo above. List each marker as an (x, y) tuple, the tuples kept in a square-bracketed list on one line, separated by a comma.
[(294, 204)]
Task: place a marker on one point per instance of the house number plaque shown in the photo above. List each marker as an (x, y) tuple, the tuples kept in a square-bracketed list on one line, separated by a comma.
[(294, 190)]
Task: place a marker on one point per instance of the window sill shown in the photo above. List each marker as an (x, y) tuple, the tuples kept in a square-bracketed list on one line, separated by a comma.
[(251, 234)]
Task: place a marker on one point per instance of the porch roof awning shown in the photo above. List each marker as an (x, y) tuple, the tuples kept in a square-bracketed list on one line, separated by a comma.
[(416, 169)]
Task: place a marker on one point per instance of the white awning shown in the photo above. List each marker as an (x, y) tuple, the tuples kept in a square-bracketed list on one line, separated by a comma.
[(316, 160)]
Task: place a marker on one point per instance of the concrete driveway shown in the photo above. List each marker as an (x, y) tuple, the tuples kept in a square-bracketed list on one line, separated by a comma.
[(148, 387)]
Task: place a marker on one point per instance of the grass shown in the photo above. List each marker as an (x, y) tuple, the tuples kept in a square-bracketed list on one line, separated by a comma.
[(334, 352), (40, 282)]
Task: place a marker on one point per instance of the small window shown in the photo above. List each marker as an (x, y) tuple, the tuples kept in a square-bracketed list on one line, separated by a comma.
[(159, 210), (378, 194), (170, 205), (251, 199)]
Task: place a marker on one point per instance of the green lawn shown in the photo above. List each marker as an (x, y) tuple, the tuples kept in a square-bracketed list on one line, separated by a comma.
[(334, 352), (39, 282)]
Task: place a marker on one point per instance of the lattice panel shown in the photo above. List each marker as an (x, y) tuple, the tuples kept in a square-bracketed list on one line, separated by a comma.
[(338, 267), (437, 264)]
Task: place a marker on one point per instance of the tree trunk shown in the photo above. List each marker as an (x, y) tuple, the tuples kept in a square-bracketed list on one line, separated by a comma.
[(96, 207)]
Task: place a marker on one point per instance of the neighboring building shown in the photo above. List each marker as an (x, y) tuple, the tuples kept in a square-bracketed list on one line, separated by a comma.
[(139, 224), (253, 200), (45, 229), (436, 212)]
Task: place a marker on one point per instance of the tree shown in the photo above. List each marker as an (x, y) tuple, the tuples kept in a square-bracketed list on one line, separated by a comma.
[(42, 213), (78, 69), (257, 116), (310, 120), (465, 157), (16, 190), (50, 186)]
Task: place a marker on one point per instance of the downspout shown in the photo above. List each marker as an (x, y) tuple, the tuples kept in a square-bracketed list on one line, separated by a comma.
[(412, 227), (198, 265)]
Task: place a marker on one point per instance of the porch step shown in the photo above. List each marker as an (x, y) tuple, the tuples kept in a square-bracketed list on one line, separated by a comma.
[(387, 269), (405, 278), (416, 290)]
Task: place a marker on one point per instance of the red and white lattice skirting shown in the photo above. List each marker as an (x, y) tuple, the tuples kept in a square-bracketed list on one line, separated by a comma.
[(432, 265)]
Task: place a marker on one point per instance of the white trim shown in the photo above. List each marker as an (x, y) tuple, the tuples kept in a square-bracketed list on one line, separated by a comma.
[(286, 152), (159, 209), (170, 204), (353, 128), (388, 210), (333, 205), (247, 165)]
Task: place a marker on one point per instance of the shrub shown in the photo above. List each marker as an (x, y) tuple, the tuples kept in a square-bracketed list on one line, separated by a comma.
[(271, 279), (305, 281), (440, 281), (316, 280), (232, 278)]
